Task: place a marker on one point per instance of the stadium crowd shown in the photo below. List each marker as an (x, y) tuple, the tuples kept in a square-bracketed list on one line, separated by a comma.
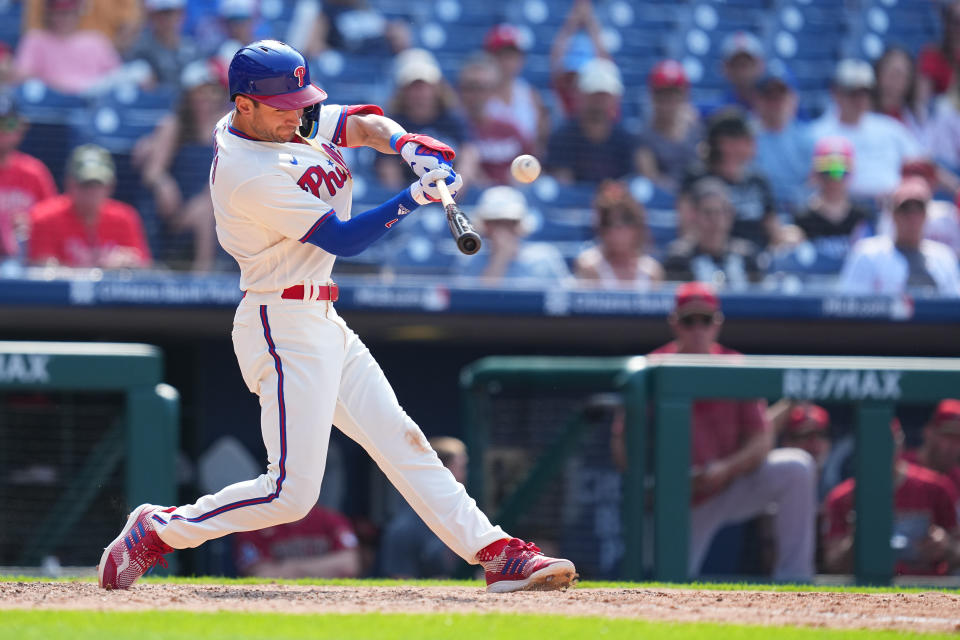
[(731, 180)]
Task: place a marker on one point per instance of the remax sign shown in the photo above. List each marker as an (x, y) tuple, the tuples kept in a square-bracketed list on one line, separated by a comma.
[(831, 384)]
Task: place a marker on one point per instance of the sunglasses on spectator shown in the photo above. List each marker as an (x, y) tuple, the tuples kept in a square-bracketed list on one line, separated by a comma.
[(911, 206), (697, 319)]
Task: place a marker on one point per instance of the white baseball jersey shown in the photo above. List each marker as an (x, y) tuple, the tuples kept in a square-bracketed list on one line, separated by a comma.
[(308, 367), (268, 196)]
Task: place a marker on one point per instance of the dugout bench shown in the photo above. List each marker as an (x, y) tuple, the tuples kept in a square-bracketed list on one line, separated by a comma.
[(145, 440), (659, 390)]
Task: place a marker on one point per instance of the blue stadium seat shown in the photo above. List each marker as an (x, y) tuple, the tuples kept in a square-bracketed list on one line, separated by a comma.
[(10, 17), (119, 118)]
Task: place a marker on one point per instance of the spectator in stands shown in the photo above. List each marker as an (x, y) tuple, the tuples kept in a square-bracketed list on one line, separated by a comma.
[(24, 181), (516, 100), (709, 253), (424, 103), (408, 548), (619, 260), (784, 144), (668, 145), (905, 263), (743, 65), (118, 20), (937, 63), (62, 55), (497, 142), (831, 222), (503, 220), (175, 165), (85, 227), (237, 26), (321, 545), (940, 449), (803, 425), (943, 217), (579, 39), (735, 473), (881, 144), (729, 153), (925, 533), (162, 44), (895, 91), (594, 146)]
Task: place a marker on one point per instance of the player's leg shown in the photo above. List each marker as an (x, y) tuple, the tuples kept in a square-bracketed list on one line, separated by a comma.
[(290, 355), (787, 478), (368, 412), (705, 520)]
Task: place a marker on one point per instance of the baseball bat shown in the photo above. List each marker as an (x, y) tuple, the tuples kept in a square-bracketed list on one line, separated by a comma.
[(468, 240)]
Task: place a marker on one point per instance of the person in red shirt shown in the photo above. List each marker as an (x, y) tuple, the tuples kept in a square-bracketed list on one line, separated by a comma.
[(24, 181), (736, 474), (321, 545), (925, 533), (85, 227), (936, 62), (940, 450), (497, 141)]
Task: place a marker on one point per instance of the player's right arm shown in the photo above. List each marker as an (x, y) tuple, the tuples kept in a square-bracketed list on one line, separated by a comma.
[(273, 201)]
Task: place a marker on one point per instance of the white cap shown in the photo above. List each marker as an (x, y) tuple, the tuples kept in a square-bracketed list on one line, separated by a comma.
[(416, 64), (854, 74), (741, 42), (502, 203), (236, 9), (599, 75), (198, 72), (163, 5)]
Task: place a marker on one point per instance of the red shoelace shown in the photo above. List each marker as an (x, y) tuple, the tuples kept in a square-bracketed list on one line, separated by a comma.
[(525, 546)]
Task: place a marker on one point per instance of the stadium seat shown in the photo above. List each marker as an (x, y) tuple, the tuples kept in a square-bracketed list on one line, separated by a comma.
[(119, 118), (10, 12)]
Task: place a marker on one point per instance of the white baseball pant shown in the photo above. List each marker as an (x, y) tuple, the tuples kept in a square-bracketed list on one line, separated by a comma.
[(310, 371), (787, 478)]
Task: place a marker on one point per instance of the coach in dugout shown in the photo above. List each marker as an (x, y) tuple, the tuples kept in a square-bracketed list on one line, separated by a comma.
[(736, 474), (926, 538)]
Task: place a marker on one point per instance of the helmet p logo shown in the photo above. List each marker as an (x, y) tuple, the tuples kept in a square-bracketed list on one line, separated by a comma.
[(299, 72)]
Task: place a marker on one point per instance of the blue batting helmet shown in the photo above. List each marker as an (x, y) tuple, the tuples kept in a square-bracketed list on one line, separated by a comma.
[(274, 73)]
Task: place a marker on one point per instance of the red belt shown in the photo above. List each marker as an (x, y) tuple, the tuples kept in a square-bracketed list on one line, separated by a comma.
[(329, 292)]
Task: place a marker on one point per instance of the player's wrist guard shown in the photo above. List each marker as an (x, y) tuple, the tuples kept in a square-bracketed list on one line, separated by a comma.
[(422, 153)]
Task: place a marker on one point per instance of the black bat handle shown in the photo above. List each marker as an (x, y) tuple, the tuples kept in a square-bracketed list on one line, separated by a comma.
[(468, 240)]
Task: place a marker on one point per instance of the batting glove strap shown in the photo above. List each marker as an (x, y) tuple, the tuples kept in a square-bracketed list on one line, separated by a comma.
[(308, 122), (425, 191)]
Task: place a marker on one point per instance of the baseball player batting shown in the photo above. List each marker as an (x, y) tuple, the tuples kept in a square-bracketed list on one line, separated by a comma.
[(282, 209)]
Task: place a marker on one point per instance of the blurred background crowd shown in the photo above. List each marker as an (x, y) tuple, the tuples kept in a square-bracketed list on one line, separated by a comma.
[(792, 143)]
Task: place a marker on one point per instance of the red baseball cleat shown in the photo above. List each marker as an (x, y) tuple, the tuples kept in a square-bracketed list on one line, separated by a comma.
[(516, 565), (135, 551)]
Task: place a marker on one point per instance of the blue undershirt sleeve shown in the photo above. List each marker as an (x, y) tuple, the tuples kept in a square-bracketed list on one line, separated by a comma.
[(350, 237)]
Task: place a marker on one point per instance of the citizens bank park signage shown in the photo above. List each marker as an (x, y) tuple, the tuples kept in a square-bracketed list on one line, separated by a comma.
[(834, 384)]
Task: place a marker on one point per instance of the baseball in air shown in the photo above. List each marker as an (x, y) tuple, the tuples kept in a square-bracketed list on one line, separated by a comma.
[(525, 168)]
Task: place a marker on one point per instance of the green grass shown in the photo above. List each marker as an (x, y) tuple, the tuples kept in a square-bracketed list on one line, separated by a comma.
[(169, 625), (589, 584)]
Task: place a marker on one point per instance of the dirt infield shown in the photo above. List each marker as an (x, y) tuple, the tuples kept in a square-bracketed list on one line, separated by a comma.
[(918, 612)]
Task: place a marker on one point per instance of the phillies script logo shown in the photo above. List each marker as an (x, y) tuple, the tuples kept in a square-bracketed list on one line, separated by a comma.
[(333, 177), (299, 72)]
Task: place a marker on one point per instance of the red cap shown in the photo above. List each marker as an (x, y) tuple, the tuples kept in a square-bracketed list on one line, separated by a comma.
[(947, 416), (807, 419), (668, 74), (912, 188), (695, 297), (501, 37)]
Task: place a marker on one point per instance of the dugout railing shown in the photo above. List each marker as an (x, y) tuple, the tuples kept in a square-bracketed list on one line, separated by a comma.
[(143, 441), (668, 385)]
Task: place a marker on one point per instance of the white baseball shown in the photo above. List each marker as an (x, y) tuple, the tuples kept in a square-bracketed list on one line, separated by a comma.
[(525, 168)]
